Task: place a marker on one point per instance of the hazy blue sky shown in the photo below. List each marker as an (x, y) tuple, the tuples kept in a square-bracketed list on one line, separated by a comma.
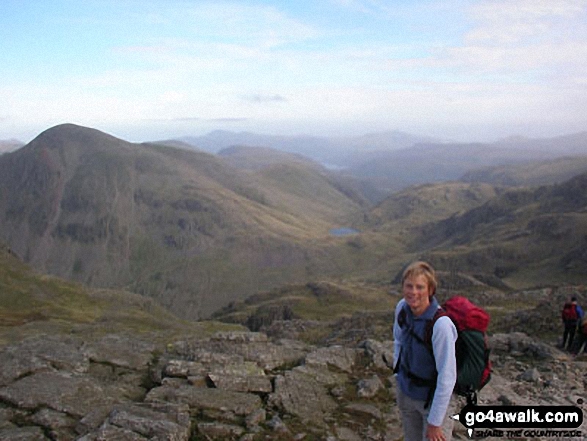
[(146, 69)]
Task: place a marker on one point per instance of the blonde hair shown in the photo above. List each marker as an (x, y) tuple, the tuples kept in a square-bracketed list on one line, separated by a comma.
[(420, 268)]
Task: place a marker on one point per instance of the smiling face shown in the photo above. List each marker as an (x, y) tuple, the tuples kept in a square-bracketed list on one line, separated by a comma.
[(417, 291)]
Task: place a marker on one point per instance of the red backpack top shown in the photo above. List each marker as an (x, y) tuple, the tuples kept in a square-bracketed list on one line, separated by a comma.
[(466, 315), (570, 312)]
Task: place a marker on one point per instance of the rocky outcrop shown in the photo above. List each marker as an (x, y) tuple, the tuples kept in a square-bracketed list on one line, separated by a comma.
[(234, 385), (240, 386)]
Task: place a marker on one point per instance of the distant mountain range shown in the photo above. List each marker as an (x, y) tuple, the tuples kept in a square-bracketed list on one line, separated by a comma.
[(196, 231), (9, 145), (335, 151), (422, 163), (380, 160)]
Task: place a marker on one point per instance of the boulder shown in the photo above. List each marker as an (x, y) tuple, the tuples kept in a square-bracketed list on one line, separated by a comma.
[(378, 352), (369, 387)]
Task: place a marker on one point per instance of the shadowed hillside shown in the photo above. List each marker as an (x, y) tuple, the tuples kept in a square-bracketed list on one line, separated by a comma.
[(177, 225), (276, 165), (429, 163)]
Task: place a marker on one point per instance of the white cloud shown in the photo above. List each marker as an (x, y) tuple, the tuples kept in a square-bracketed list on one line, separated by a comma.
[(525, 40), (507, 22)]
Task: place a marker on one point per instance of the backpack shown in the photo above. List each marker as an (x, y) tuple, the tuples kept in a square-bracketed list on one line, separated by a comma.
[(471, 349), (570, 312)]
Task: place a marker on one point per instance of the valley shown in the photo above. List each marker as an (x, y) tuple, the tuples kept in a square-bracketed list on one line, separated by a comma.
[(153, 291)]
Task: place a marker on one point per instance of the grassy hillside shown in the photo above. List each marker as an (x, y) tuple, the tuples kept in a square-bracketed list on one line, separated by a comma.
[(31, 303), (323, 312)]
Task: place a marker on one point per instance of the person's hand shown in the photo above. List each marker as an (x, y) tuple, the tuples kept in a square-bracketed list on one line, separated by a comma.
[(435, 433)]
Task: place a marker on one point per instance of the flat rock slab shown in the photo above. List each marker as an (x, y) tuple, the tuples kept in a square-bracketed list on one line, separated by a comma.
[(152, 421), (121, 351), (235, 347), (23, 434), (64, 392), (184, 369), (518, 342), (237, 403), (243, 377), (39, 354), (220, 431), (110, 432)]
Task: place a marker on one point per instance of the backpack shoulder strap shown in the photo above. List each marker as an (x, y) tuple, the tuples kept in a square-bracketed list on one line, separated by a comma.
[(402, 318), (440, 312)]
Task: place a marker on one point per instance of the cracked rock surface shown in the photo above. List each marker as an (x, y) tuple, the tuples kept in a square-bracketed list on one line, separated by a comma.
[(240, 386)]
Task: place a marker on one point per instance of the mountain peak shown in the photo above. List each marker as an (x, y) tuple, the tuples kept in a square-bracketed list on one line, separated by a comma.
[(70, 135)]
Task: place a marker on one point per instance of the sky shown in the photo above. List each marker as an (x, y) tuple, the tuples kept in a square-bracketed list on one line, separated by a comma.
[(155, 69)]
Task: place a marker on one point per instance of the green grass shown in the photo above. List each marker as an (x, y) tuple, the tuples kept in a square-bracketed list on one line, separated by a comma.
[(324, 301), (32, 304)]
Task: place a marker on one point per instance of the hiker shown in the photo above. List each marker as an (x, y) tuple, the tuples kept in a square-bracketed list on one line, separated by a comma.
[(572, 314), (425, 378), (581, 337)]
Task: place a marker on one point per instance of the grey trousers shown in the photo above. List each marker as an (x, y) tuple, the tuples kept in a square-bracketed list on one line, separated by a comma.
[(414, 417)]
